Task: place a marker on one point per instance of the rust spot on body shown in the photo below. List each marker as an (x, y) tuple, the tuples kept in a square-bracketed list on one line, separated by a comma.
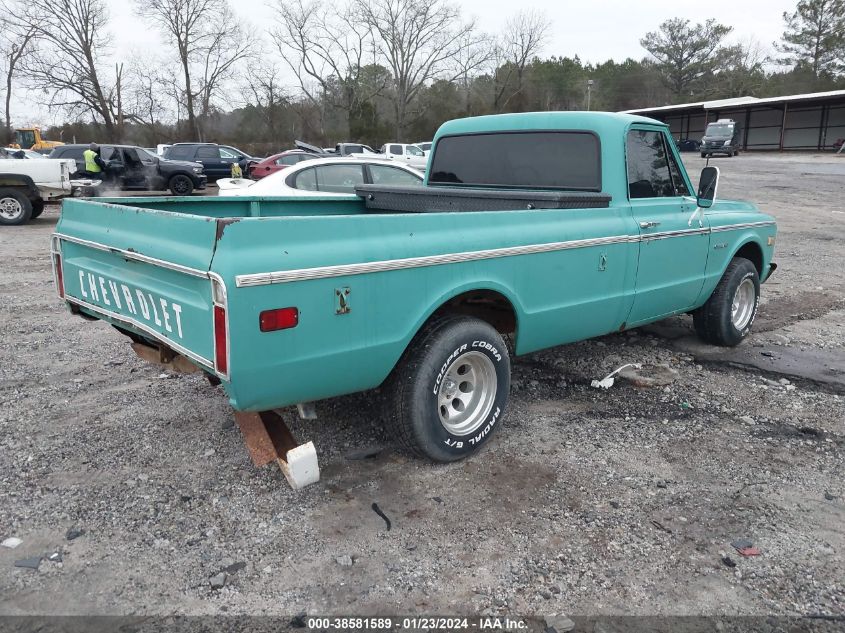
[(222, 223)]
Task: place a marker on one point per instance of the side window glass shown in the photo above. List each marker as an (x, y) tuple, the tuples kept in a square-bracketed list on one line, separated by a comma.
[(648, 168), (339, 178), (227, 153), (396, 149), (385, 175), (288, 160), (306, 180), (413, 150), (207, 151), (677, 179)]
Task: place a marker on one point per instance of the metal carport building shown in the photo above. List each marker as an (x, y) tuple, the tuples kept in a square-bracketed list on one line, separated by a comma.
[(812, 121)]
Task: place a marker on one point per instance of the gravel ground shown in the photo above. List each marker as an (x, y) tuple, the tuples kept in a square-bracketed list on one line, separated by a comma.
[(623, 501)]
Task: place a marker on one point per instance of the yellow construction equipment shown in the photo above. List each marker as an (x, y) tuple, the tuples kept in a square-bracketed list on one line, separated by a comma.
[(30, 138)]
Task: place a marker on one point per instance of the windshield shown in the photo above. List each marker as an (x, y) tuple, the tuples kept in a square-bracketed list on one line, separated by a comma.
[(720, 129), (25, 138)]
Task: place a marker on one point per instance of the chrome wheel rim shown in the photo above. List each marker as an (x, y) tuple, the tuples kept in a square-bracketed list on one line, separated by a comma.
[(742, 307), (466, 393), (10, 208)]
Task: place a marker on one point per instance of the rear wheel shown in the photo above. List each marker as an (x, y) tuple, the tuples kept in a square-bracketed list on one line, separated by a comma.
[(727, 316), (181, 185), (449, 391), (37, 209), (15, 207)]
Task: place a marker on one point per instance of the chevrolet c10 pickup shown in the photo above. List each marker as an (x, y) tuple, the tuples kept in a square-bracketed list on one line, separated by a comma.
[(537, 229)]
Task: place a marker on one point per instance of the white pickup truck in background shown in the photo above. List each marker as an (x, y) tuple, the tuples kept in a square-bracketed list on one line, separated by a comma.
[(26, 185), (409, 154)]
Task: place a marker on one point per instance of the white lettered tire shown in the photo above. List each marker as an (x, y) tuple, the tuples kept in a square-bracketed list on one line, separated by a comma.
[(449, 391)]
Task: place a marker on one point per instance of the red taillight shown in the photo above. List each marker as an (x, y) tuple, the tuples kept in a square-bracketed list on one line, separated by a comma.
[(60, 280), (221, 353), (278, 319)]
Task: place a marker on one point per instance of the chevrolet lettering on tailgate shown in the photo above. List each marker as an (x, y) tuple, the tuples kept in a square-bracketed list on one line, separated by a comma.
[(113, 294)]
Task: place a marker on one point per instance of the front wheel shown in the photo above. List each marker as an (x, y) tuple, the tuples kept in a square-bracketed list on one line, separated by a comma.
[(727, 316), (450, 389), (15, 207), (181, 185)]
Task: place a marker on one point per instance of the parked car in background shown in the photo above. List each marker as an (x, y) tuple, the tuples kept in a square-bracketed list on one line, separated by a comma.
[(216, 160), (352, 149), (688, 144), (14, 152), (134, 168), (425, 146), (323, 176), (278, 162), (411, 155)]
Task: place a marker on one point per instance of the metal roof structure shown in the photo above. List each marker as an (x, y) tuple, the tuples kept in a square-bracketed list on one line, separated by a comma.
[(812, 121), (738, 102)]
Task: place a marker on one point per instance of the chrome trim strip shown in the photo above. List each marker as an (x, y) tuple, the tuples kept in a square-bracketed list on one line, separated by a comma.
[(322, 272), (144, 328), (662, 235), (745, 225), (342, 270), (195, 272)]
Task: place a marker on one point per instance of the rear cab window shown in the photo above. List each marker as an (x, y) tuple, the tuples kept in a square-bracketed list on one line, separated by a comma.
[(564, 160)]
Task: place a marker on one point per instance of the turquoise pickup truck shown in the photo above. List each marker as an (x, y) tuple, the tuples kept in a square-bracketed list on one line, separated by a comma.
[(531, 230)]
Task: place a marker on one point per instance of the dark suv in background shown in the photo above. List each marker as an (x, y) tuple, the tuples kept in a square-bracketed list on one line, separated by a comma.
[(134, 168), (216, 160)]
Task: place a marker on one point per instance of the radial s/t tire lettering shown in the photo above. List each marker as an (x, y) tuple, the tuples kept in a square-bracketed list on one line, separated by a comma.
[(729, 313), (449, 391)]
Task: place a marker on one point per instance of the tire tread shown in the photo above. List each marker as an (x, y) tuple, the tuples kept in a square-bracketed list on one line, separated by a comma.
[(707, 319)]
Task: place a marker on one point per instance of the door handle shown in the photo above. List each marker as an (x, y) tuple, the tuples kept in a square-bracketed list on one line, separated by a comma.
[(649, 224)]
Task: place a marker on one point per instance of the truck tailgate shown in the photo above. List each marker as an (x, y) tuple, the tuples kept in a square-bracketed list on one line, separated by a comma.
[(142, 269)]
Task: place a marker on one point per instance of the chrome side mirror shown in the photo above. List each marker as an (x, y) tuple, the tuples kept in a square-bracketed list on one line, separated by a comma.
[(707, 185)]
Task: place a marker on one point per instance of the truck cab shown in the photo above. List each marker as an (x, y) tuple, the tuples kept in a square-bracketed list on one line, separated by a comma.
[(721, 137)]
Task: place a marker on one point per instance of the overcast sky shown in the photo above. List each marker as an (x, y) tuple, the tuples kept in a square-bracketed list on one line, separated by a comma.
[(595, 30)]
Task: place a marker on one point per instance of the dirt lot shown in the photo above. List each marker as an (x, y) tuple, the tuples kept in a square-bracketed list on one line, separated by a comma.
[(587, 502)]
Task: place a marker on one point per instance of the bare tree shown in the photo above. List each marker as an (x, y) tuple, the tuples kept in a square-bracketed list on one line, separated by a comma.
[(522, 41), (326, 47), (267, 94), (741, 70), (66, 61), (418, 42), (17, 43), (209, 43)]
